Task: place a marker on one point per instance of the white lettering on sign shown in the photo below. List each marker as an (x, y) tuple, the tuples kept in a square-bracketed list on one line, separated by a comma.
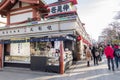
[(60, 8)]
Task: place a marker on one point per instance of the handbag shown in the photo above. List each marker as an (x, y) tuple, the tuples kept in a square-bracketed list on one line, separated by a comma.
[(96, 53)]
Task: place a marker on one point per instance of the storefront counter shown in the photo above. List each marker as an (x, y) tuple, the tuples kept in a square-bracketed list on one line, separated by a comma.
[(38, 63), (42, 63)]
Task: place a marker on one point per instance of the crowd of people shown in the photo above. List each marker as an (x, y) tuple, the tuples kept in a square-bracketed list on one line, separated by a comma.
[(112, 53)]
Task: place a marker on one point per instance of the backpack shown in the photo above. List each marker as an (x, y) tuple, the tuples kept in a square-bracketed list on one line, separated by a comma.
[(117, 52), (96, 53)]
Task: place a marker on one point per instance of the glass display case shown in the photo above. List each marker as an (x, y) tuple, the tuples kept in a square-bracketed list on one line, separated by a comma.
[(40, 48), (54, 58), (46, 49), (68, 55), (45, 56)]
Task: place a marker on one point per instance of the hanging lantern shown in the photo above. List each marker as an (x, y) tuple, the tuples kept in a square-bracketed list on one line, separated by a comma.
[(79, 38), (74, 1)]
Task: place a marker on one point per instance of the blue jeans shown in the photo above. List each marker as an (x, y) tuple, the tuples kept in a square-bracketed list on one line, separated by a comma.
[(110, 60), (117, 61)]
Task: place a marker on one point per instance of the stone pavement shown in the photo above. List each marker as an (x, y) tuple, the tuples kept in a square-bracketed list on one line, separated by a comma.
[(79, 71)]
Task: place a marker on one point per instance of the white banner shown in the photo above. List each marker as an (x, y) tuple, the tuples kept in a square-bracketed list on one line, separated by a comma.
[(57, 44), (20, 49)]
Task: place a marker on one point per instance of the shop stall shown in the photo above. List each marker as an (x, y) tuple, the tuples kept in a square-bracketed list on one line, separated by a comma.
[(40, 54), (45, 54)]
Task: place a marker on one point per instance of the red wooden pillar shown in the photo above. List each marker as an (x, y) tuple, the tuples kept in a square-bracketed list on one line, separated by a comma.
[(1, 56), (61, 58)]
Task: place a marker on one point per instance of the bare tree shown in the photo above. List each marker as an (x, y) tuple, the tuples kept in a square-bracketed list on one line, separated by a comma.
[(117, 16), (112, 32), (116, 28)]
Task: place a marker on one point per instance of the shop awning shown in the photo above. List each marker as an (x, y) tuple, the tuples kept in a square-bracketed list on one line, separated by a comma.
[(43, 39)]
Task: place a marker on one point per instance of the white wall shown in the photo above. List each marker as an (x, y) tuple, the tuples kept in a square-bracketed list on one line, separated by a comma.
[(20, 17)]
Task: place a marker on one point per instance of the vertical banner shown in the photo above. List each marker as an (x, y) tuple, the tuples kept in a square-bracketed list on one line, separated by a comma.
[(57, 44), (61, 58), (1, 56), (20, 49)]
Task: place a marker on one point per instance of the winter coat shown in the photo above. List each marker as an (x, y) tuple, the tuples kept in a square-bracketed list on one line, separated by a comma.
[(93, 51), (109, 52), (88, 54)]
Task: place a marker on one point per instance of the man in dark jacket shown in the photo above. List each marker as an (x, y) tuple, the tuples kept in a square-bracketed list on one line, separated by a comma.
[(117, 56), (95, 58)]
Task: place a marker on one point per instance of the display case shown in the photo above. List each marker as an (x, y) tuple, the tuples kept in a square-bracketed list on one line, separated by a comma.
[(46, 57), (54, 57), (17, 59), (68, 59)]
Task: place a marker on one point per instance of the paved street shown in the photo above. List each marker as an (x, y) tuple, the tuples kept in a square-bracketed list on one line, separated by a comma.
[(77, 72)]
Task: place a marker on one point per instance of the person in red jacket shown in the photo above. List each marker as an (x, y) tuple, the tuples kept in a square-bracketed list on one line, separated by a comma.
[(109, 55)]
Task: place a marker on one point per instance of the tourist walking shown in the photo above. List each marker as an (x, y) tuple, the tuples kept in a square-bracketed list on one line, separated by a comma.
[(88, 56), (109, 55), (100, 53), (117, 56), (95, 56)]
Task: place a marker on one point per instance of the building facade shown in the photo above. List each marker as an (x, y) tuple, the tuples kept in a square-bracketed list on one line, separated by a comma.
[(41, 37)]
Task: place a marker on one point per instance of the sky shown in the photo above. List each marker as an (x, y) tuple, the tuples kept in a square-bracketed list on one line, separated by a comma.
[(96, 14)]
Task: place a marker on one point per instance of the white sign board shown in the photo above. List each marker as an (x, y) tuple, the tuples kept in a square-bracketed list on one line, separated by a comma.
[(38, 28), (61, 8), (20, 17), (30, 29), (20, 49)]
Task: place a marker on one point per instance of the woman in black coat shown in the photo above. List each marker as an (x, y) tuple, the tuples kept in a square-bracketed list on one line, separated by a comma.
[(95, 58)]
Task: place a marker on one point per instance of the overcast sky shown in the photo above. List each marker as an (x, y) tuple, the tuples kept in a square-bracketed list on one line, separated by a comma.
[(96, 14)]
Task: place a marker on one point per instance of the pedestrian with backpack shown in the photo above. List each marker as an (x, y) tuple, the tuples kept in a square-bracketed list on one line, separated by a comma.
[(117, 56)]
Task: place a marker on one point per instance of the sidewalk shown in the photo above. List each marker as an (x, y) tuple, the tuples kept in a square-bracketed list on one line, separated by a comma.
[(79, 71)]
